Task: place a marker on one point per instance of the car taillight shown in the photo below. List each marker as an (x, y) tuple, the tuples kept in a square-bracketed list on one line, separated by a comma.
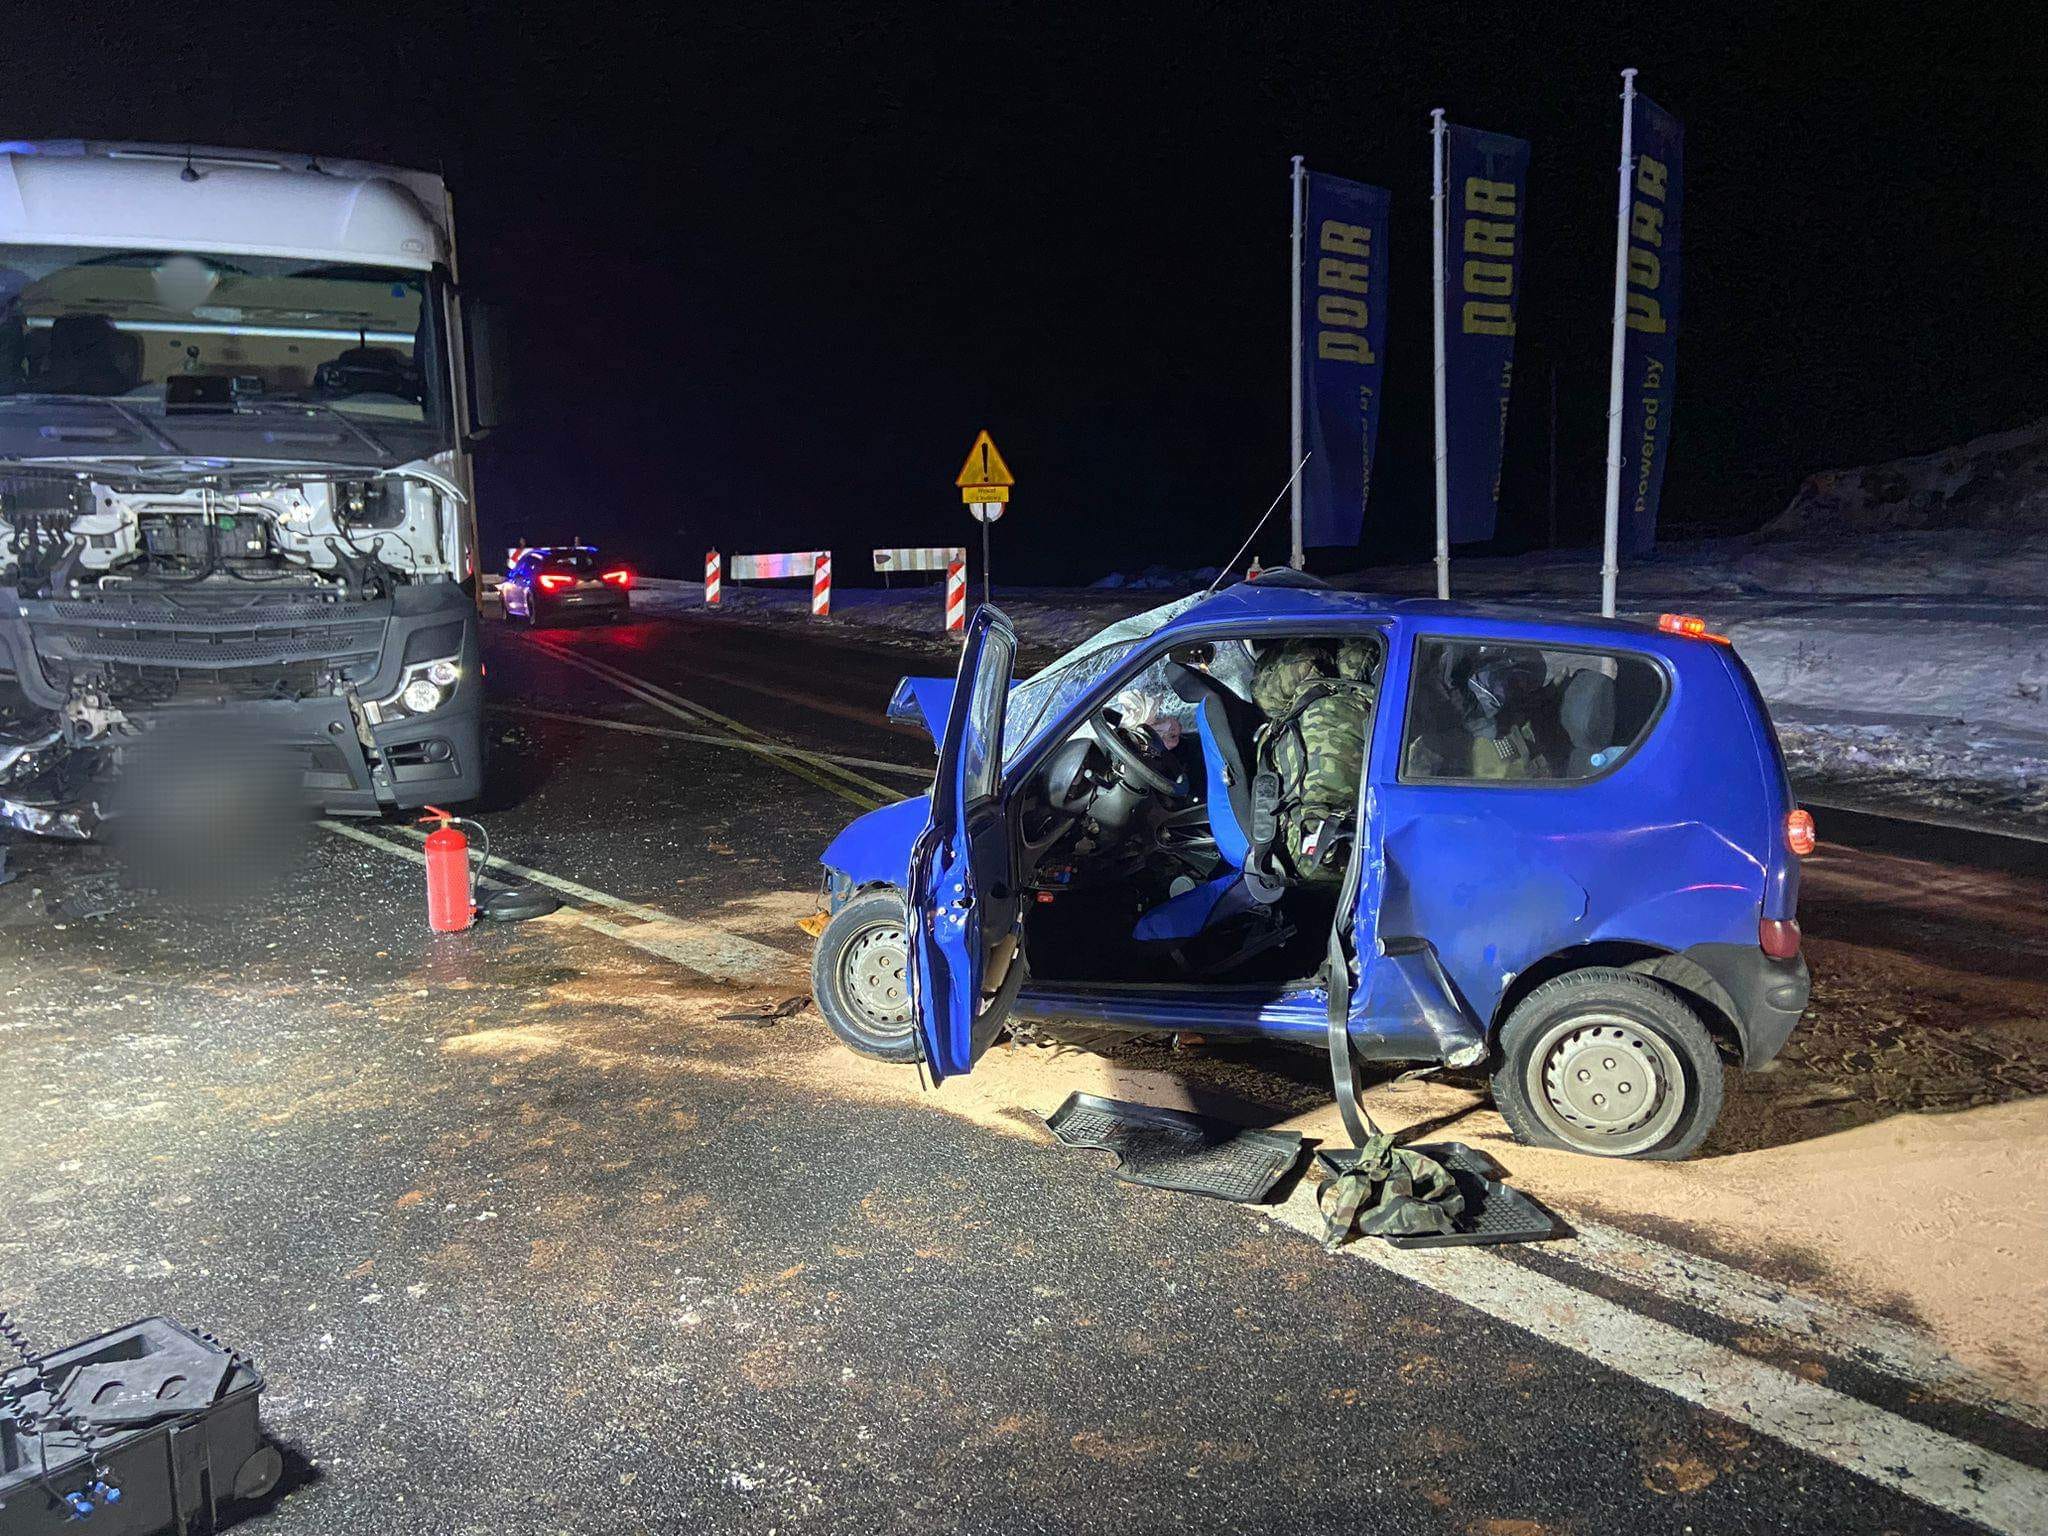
[(1800, 836), (621, 578), (1690, 625), (1778, 937), (554, 581)]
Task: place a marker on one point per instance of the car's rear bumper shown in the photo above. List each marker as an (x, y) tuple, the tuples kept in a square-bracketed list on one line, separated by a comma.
[(608, 604), (1769, 995)]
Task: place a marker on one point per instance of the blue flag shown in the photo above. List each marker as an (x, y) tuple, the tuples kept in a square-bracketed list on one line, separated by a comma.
[(1485, 179), (1343, 351), (1649, 368)]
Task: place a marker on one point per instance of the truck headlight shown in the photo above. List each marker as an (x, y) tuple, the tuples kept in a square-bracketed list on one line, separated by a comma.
[(422, 694), (424, 688)]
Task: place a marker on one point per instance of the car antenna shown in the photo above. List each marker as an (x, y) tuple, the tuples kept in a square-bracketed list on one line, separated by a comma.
[(1231, 564)]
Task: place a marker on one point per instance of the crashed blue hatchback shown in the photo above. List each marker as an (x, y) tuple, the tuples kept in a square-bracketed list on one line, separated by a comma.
[(1567, 853)]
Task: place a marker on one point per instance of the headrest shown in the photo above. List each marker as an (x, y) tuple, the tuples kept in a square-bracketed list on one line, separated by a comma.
[(1587, 710)]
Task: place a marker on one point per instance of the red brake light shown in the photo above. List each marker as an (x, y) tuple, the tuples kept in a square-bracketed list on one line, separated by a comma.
[(1800, 835), (1778, 937), (554, 581), (1690, 625), (621, 578)]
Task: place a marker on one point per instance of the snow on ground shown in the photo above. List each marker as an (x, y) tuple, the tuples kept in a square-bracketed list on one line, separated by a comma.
[(1896, 618)]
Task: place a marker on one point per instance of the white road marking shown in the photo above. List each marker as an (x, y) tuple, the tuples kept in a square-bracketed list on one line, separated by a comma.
[(707, 738), (1827, 1327), (1939, 1470), (699, 947), (844, 782)]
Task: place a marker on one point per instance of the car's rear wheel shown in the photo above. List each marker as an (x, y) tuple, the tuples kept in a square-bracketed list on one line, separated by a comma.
[(1610, 1063), (858, 976)]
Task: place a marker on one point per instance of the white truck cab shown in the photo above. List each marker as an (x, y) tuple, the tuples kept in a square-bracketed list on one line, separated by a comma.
[(236, 395)]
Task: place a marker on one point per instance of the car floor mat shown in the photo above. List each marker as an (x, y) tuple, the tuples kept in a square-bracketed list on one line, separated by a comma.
[(1494, 1212), (1173, 1149)]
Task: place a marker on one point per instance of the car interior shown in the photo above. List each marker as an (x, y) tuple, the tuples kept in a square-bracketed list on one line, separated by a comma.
[(1154, 839), (1176, 838)]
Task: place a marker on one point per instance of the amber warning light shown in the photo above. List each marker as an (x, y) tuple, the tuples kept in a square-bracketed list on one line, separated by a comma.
[(1800, 835), (1691, 625)]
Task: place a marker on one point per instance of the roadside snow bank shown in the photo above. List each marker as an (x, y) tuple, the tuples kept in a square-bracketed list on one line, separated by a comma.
[(1999, 481)]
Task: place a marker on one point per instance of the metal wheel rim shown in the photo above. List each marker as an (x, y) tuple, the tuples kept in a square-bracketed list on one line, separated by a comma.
[(871, 973), (1606, 1084)]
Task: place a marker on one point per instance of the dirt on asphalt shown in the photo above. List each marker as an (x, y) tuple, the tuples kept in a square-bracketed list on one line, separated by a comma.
[(1890, 1158)]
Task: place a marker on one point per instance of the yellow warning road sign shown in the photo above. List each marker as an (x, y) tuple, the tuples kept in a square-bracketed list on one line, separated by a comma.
[(984, 477)]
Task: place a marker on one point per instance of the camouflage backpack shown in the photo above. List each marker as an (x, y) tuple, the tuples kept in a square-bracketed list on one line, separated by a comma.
[(1318, 699)]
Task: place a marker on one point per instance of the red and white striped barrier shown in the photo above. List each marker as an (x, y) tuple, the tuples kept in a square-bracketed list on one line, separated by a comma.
[(712, 569), (814, 563), (950, 559), (821, 586)]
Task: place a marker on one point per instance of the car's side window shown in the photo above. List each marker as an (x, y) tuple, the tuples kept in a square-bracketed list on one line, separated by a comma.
[(1508, 712), (983, 747)]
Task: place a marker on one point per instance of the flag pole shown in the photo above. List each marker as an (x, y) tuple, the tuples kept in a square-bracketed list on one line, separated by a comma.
[(1443, 482), (1296, 556), (1610, 565)]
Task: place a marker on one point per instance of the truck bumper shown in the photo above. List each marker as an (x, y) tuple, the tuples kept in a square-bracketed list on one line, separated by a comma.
[(432, 759)]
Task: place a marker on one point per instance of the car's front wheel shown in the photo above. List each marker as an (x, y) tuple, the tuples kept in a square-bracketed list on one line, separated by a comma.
[(858, 980), (1611, 1063)]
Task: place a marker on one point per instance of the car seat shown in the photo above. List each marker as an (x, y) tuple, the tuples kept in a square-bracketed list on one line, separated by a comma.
[(86, 356), (1587, 714), (1225, 725)]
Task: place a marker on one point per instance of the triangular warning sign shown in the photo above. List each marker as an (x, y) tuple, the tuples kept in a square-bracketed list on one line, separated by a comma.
[(985, 465)]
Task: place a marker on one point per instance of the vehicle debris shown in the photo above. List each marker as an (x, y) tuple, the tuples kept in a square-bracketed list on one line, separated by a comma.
[(1178, 1150)]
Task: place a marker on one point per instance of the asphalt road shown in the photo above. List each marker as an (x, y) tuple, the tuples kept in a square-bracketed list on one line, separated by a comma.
[(532, 1229)]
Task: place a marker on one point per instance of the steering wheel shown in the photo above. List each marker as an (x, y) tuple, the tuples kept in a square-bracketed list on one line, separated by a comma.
[(1141, 758)]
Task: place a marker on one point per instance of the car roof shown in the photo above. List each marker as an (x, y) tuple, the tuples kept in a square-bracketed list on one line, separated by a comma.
[(1267, 603)]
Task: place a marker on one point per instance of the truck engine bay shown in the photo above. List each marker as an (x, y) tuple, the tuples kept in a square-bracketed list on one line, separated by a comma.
[(128, 595)]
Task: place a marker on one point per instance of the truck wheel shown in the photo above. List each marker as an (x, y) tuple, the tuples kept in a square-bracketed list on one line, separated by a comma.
[(1610, 1063), (857, 976)]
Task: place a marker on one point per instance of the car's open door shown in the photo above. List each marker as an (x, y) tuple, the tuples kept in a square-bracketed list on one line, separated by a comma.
[(962, 891)]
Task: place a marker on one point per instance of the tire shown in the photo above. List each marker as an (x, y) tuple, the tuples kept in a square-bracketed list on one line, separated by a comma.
[(1579, 1054), (857, 976)]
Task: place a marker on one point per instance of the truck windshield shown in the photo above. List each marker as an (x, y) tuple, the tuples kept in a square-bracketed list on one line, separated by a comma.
[(234, 336)]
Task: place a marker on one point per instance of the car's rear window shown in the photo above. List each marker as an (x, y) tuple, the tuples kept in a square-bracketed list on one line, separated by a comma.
[(583, 560), (1505, 712)]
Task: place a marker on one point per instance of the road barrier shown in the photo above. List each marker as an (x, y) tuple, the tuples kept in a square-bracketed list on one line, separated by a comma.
[(711, 578), (814, 563), (953, 561)]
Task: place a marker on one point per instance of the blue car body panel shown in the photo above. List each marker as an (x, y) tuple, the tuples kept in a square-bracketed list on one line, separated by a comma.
[(924, 701), (1468, 885), (959, 895), (874, 849)]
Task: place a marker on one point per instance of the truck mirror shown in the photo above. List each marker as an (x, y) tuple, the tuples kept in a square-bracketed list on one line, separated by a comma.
[(484, 353)]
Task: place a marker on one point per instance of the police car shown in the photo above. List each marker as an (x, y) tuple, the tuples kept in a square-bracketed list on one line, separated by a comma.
[(549, 586)]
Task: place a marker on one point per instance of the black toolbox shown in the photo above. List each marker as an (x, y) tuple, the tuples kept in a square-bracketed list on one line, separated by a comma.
[(178, 1435)]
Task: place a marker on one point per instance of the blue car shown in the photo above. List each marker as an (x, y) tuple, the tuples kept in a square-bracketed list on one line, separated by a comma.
[(1571, 857)]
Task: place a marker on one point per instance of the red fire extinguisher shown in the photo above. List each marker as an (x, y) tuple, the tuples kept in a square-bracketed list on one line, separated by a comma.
[(451, 899)]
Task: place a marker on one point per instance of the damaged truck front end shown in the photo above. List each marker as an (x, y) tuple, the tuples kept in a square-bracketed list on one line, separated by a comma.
[(317, 611), (237, 398)]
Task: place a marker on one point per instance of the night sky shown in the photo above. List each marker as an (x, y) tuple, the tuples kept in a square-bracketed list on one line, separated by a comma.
[(772, 267)]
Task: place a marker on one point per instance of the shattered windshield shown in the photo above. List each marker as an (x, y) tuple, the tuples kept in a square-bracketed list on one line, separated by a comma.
[(132, 343), (1046, 695)]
